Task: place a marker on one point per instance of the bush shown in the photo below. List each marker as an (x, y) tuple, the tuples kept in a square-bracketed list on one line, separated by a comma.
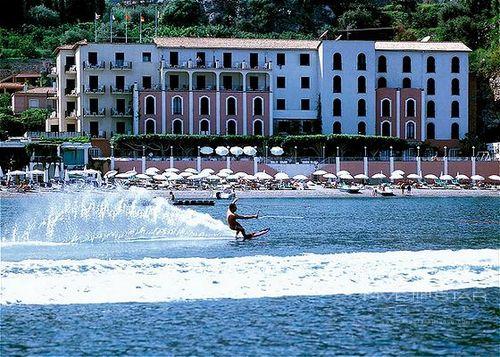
[(11, 125), (43, 16), (34, 119)]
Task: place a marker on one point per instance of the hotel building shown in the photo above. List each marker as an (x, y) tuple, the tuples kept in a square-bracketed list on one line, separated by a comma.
[(228, 86)]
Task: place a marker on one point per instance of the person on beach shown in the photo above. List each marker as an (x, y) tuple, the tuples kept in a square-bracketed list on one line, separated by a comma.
[(232, 218)]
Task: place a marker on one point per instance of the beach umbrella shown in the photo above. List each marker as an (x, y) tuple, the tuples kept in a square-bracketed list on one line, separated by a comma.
[(191, 170), (221, 150), (263, 176), (329, 176), (343, 172), (494, 177), (379, 176), (228, 171), (151, 171), (319, 173), (204, 174), (431, 177), (250, 178), (38, 172), (213, 178), (158, 177), (240, 174), (346, 176), (249, 150), (223, 174), (210, 171), (175, 177), (446, 177), (414, 177), (300, 178), (236, 151), (143, 177), (461, 177), (277, 151), (477, 178), (110, 174), (91, 172), (196, 177), (281, 176), (396, 176), (398, 172), (232, 178), (16, 173), (361, 177), (57, 172), (172, 169), (206, 150), (186, 174)]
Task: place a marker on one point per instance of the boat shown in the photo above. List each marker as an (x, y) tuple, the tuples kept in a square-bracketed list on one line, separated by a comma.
[(193, 203), (349, 188), (385, 191), (223, 195)]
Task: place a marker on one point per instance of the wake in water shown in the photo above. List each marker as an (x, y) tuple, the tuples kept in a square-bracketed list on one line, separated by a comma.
[(90, 216), (159, 280)]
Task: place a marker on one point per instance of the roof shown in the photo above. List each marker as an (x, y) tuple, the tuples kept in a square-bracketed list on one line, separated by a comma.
[(235, 43), (11, 85), (28, 75), (38, 90), (421, 46), (70, 47)]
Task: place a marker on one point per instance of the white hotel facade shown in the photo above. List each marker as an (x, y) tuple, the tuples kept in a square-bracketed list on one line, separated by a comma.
[(411, 90)]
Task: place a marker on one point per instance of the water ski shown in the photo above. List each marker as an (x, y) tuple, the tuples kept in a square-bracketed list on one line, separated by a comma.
[(257, 234)]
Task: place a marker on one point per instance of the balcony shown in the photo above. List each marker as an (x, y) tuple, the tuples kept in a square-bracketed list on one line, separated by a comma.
[(120, 65), (52, 73), (88, 113), (123, 90), (70, 114), (94, 66), (258, 89), (218, 65), (153, 88), (71, 92), (121, 113), (94, 90), (70, 69)]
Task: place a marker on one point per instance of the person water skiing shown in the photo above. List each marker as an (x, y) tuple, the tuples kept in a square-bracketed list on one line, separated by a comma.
[(232, 218)]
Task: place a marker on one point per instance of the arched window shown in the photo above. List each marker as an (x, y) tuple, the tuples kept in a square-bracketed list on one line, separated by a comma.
[(382, 83), (386, 107), (431, 86), (337, 61), (410, 130), (382, 64), (337, 84), (431, 109), (204, 106), (150, 126), (337, 107), (361, 62), (386, 128), (410, 107), (455, 65), (231, 127), (361, 108), (361, 128), (407, 83), (431, 64), (231, 106), (455, 86), (150, 105), (337, 128), (455, 109), (258, 106), (177, 105), (258, 127), (455, 131), (204, 127), (406, 64), (177, 126), (431, 131), (361, 84)]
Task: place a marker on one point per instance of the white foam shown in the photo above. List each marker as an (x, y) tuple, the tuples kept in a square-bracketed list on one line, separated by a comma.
[(160, 280)]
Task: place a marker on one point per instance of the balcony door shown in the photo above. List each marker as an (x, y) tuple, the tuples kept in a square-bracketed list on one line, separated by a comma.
[(94, 128), (120, 105), (201, 82), (227, 59), (120, 83), (92, 57), (93, 105)]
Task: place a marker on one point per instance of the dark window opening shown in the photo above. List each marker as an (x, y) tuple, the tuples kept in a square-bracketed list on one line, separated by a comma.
[(361, 108), (304, 82), (227, 60), (337, 61), (337, 107), (337, 128), (361, 62), (146, 82), (304, 59), (280, 104), (382, 64), (280, 59), (204, 106), (227, 82), (280, 82), (361, 128), (254, 60), (337, 84), (150, 105), (305, 104), (174, 58)]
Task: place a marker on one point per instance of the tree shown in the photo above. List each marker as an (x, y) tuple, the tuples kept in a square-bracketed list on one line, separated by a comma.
[(11, 125), (34, 119), (183, 13), (43, 16)]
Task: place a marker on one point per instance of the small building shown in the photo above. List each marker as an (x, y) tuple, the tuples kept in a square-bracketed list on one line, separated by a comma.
[(38, 97)]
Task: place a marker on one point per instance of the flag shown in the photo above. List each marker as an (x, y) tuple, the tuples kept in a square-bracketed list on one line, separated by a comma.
[(97, 16)]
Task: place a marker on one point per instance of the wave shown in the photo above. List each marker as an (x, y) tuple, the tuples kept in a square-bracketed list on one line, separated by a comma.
[(90, 216), (165, 279)]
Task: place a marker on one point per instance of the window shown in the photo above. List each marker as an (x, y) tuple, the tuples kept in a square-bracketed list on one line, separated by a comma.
[(361, 108), (94, 105), (406, 64), (204, 106), (150, 126), (258, 106), (231, 127), (177, 126), (431, 131), (382, 83), (382, 64), (280, 59), (120, 127), (254, 82), (120, 105), (337, 128), (455, 109), (119, 58), (410, 107), (254, 60), (304, 104), (431, 109), (174, 59), (406, 83), (201, 82), (54, 128), (410, 130), (93, 83), (455, 65), (150, 104), (227, 82), (337, 62), (174, 81), (455, 87), (177, 105), (34, 103), (304, 59), (455, 131), (258, 127), (431, 65), (94, 128), (386, 128), (227, 60), (200, 59), (204, 127), (146, 57), (304, 82), (146, 82), (280, 82), (361, 62), (231, 106), (280, 104), (431, 86), (386, 107), (92, 57), (120, 83), (361, 84), (361, 128), (337, 84), (337, 107), (72, 128)]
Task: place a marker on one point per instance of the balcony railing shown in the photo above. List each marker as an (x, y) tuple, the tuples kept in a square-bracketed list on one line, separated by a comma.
[(120, 65), (243, 65), (100, 113), (97, 65), (70, 68), (153, 88), (123, 90), (70, 114), (49, 134), (93, 90), (70, 91), (259, 89), (121, 113), (53, 72)]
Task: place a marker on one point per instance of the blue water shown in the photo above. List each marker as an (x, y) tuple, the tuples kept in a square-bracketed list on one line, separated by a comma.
[(456, 321)]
